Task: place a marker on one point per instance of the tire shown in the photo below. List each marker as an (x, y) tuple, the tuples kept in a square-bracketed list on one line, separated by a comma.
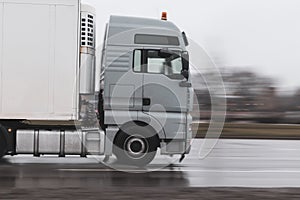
[(136, 145), (3, 141)]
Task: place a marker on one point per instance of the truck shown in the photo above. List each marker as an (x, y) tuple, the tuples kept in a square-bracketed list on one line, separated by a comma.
[(56, 99)]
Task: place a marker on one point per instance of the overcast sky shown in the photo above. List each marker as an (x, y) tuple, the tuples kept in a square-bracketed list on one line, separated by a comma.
[(263, 35)]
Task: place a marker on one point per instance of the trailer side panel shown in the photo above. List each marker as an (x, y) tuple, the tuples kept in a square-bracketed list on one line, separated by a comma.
[(39, 62)]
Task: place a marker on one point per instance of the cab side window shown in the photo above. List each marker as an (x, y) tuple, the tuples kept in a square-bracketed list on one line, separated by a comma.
[(158, 62), (155, 63), (137, 61)]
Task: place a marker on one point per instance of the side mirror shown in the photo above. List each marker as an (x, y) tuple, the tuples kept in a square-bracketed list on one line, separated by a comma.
[(185, 39), (185, 74), (185, 65), (185, 61)]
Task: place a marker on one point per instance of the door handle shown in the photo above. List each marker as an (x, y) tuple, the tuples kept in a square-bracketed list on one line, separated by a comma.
[(146, 101), (185, 84)]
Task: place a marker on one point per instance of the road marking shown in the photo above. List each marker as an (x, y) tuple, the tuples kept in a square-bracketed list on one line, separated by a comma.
[(179, 170)]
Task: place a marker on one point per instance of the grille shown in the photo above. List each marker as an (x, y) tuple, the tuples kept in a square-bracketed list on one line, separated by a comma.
[(87, 30)]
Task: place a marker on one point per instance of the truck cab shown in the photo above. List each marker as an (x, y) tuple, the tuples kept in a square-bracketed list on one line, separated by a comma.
[(147, 93)]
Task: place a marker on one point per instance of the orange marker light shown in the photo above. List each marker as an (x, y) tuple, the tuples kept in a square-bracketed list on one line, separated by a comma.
[(164, 16)]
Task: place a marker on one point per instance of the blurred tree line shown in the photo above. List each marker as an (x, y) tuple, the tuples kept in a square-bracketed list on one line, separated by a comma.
[(250, 97)]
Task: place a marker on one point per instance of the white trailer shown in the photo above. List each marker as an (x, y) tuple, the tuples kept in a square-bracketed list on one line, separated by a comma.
[(47, 83), (40, 59)]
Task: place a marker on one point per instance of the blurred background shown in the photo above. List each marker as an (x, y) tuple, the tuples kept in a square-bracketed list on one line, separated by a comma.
[(251, 97)]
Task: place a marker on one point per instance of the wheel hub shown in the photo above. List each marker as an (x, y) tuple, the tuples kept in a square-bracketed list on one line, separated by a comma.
[(136, 147)]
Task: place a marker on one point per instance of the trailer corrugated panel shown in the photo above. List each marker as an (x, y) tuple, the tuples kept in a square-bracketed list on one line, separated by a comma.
[(39, 59)]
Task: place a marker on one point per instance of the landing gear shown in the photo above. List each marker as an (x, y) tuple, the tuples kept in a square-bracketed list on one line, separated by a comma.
[(136, 145)]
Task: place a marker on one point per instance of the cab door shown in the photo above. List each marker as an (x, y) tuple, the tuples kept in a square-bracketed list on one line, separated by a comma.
[(163, 83)]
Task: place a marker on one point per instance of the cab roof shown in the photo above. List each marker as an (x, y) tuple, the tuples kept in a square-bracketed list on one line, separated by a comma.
[(136, 22), (122, 30)]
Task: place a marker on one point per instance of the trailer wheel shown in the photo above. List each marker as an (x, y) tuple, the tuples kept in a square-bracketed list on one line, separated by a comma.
[(3, 141), (136, 145)]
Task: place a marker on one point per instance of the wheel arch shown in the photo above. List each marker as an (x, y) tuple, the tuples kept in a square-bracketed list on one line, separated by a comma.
[(143, 124)]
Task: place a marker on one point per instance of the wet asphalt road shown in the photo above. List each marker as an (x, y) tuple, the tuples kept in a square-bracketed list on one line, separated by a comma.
[(232, 170)]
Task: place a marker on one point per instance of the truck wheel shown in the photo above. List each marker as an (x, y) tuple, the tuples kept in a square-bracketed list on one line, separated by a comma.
[(136, 145), (3, 141)]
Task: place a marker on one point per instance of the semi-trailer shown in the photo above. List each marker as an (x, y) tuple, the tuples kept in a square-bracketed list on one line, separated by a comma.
[(49, 102)]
